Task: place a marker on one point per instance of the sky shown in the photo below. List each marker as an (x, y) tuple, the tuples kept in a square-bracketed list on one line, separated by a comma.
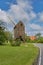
[(30, 12)]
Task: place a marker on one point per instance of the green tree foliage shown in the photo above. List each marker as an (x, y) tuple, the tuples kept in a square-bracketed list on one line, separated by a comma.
[(2, 36), (5, 35), (2, 32), (9, 36), (38, 35), (39, 39)]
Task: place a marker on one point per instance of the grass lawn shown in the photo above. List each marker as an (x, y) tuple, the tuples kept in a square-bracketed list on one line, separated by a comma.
[(23, 55)]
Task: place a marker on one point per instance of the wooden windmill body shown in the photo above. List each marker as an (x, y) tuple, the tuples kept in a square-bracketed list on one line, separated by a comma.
[(19, 30)]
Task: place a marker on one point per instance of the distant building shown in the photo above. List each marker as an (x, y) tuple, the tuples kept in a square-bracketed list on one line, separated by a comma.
[(32, 37), (19, 31)]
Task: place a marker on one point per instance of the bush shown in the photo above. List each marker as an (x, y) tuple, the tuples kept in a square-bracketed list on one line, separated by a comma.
[(17, 42), (27, 40), (2, 37)]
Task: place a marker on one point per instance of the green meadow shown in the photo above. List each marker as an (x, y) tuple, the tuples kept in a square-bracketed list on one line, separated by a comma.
[(18, 55)]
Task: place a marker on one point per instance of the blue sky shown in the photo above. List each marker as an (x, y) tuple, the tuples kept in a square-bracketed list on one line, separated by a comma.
[(38, 5), (29, 11), (5, 4)]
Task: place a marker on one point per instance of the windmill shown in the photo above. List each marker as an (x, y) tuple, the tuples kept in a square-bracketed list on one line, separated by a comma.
[(19, 30), (11, 20)]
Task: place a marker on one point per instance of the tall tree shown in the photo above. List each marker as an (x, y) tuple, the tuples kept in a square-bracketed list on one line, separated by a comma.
[(38, 35), (2, 34)]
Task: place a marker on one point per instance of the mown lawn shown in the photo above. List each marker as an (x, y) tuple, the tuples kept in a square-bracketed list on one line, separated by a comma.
[(23, 55)]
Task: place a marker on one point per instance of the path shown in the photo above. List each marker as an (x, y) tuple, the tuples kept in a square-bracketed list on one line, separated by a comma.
[(41, 52)]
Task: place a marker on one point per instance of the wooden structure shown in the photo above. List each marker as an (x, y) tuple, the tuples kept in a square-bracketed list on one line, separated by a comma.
[(19, 31)]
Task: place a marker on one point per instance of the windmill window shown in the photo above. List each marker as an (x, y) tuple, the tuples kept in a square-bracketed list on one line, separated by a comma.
[(14, 27), (21, 24)]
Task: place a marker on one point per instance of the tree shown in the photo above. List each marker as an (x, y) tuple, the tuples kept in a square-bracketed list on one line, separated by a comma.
[(9, 36), (38, 35), (39, 38), (2, 34)]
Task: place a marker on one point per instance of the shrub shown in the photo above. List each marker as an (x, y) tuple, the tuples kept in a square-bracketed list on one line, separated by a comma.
[(17, 42), (2, 36)]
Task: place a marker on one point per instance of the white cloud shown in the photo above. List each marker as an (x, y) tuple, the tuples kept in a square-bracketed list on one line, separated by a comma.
[(32, 15), (19, 11), (40, 16), (25, 4), (3, 16), (32, 33), (36, 26)]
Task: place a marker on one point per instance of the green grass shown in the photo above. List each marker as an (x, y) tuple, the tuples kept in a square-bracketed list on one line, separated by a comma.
[(23, 55)]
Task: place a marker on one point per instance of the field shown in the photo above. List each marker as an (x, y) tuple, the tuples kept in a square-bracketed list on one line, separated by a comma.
[(23, 55)]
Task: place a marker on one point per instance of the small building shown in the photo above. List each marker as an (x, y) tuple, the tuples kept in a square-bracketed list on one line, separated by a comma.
[(32, 38), (19, 31)]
